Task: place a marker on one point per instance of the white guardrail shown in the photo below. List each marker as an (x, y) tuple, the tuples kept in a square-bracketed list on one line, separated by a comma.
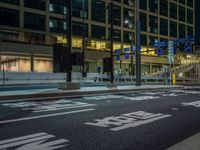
[(35, 77)]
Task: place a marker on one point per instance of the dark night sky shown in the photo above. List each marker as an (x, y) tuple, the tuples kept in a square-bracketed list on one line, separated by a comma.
[(197, 32)]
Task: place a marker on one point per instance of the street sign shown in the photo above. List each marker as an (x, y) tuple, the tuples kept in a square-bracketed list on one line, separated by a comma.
[(160, 51), (126, 53), (171, 52), (188, 47), (118, 52)]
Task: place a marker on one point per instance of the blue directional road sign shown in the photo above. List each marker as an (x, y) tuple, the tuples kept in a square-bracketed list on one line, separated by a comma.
[(188, 47), (118, 54), (126, 53), (160, 51)]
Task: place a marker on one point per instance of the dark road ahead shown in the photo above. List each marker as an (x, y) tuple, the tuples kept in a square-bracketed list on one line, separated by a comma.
[(122, 121)]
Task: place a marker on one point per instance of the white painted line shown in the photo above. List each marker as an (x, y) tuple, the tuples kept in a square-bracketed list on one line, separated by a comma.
[(26, 141), (61, 108), (45, 116), (22, 138), (191, 143), (38, 141), (139, 123), (129, 120)]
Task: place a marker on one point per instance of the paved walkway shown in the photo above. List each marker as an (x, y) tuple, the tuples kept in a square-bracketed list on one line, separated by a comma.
[(83, 89)]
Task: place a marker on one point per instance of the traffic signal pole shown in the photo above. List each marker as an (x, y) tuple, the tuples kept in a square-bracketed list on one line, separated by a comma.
[(69, 38), (138, 52), (111, 42), (83, 40)]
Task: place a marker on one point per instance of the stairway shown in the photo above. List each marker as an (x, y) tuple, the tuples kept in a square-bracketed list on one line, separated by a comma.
[(182, 69)]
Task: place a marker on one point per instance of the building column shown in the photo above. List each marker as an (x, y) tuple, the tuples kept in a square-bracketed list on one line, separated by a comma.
[(89, 18), (32, 62), (151, 68), (21, 20)]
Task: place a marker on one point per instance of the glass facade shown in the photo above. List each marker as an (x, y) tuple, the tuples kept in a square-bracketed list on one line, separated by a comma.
[(98, 11), (143, 4), (16, 2), (182, 31), (58, 6), (116, 35), (173, 29), (9, 17), (160, 20), (173, 10), (153, 24), (153, 6), (77, 29), (36, 4), (98, 32), (34, 21), (181, 14), (190, 16), (77, 8), (116, 15), (128, 16), (164, 27), (164, 7), (57, 25), (127, 37), (143, 21)]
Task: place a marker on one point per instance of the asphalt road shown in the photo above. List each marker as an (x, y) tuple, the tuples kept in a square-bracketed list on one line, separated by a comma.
[(122, 121)]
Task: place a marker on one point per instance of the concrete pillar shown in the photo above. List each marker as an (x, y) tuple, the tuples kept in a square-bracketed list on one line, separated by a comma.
[(31, 62)]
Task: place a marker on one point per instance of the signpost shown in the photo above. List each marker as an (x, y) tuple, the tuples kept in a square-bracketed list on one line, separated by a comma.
[(171, 52), (171, 56)]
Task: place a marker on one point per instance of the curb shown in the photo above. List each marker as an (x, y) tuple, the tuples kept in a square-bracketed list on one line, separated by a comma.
[(75, 94)]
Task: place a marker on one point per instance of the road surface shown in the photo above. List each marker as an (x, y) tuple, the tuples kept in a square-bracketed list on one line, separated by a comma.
[(120, 121)]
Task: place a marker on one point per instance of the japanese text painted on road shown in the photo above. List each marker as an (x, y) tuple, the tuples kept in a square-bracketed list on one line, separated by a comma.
[(129, 120)]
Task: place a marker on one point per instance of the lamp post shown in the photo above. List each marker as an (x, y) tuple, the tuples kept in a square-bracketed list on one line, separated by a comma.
[(83, 40), (111, 41), (69, 39), (127, 22), (138, 54)]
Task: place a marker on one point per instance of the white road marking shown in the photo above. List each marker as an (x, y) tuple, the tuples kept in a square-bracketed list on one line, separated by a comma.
[(175, 109), (22, 138), (186, 91), (45, 116), (61, 108), (103, 97), (36, 141), (195, 104), (125, 121), (140, 98), (37, 107)]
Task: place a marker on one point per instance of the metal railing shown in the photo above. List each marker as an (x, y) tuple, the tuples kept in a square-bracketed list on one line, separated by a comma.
[(38, 78)]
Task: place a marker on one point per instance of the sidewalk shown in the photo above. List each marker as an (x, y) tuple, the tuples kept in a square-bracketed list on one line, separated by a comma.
[(54, 92)]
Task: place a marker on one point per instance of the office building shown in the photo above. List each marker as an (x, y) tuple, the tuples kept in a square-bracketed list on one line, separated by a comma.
[(29, 28)]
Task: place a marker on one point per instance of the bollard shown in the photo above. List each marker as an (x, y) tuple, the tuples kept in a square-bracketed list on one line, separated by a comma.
[(174, 79)]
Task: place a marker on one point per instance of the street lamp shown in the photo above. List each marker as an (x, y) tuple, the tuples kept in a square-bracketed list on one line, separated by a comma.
[(138, 53), (128, 22), (83, 39)]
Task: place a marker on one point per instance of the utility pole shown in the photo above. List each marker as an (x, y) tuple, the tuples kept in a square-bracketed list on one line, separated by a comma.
[(138, 53), (69, 39), (83, 40), (111, 42)]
